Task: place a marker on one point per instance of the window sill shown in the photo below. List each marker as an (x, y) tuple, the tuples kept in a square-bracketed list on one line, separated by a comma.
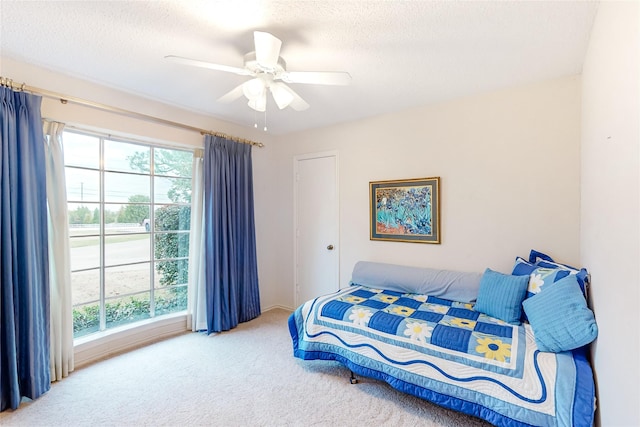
[(100, 345)]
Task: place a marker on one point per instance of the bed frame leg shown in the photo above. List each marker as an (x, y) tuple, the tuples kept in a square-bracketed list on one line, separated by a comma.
[(353, 379)]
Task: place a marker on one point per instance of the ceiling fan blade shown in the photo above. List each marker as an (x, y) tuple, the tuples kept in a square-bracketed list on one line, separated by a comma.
[(296, 102), (338, 78), (267, 49), (209, 65), (281, 95), (232, 95)]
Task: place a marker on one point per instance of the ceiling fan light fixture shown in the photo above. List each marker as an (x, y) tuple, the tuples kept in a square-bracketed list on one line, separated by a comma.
[(259, 103), (282, 97), (254, 88)]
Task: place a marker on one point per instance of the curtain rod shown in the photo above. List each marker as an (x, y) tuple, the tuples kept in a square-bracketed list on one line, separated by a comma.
[(65, 99)]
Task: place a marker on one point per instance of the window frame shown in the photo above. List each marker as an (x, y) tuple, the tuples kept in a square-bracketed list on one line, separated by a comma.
[(103, 235)]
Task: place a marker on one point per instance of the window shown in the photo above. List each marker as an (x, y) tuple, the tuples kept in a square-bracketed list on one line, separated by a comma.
[(129, 217)]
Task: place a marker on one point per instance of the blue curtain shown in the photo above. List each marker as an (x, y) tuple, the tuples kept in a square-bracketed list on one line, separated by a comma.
[(231, 268), (24, 263)]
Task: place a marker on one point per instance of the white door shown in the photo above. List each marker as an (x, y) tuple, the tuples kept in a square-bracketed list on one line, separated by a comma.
[(316, 225)]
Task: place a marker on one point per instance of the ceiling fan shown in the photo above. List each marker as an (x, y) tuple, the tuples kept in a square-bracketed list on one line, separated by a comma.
[(269, 74)]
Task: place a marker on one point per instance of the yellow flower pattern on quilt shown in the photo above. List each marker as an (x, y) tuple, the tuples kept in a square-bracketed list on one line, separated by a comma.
[(463, 323), (420, 298), (438, 308), (389, 299), (354, 299), (493, 349), (402, 311)]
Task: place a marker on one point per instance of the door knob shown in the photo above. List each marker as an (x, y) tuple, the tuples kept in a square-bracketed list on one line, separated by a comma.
[(330, 247)]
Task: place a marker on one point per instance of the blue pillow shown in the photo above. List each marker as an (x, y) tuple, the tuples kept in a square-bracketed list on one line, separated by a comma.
[(534, 255), (544, 260), (501, 296), (539, 275), (581, 275), (560, 318)]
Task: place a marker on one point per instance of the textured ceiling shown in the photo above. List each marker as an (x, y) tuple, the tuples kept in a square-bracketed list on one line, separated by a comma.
[(400, 54)]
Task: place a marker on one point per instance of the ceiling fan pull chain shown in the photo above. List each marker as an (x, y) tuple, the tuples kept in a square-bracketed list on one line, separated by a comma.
[(265, 119)]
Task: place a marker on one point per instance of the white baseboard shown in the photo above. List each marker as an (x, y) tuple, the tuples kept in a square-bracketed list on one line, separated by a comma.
[(271, 307), (118, 340)]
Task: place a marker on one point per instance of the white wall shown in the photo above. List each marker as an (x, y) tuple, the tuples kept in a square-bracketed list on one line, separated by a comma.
[(123, 126), (509, 167), (610, 217)]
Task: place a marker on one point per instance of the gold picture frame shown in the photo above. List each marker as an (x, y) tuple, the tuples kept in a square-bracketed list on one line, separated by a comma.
[(406, 210)]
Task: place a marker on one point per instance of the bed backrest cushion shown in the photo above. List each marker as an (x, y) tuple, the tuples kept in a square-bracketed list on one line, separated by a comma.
[(446, 284)]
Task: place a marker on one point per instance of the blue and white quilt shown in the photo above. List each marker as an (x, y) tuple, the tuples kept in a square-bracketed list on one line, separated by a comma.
[(446, 352)]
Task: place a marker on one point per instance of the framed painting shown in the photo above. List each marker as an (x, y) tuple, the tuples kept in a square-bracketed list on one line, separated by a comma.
[(405, 210)]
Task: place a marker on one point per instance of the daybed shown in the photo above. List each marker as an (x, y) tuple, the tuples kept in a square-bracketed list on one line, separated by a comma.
[(421, 331)]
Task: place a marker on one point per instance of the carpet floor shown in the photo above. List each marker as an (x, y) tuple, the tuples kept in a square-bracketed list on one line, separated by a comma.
[(245, 377)]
